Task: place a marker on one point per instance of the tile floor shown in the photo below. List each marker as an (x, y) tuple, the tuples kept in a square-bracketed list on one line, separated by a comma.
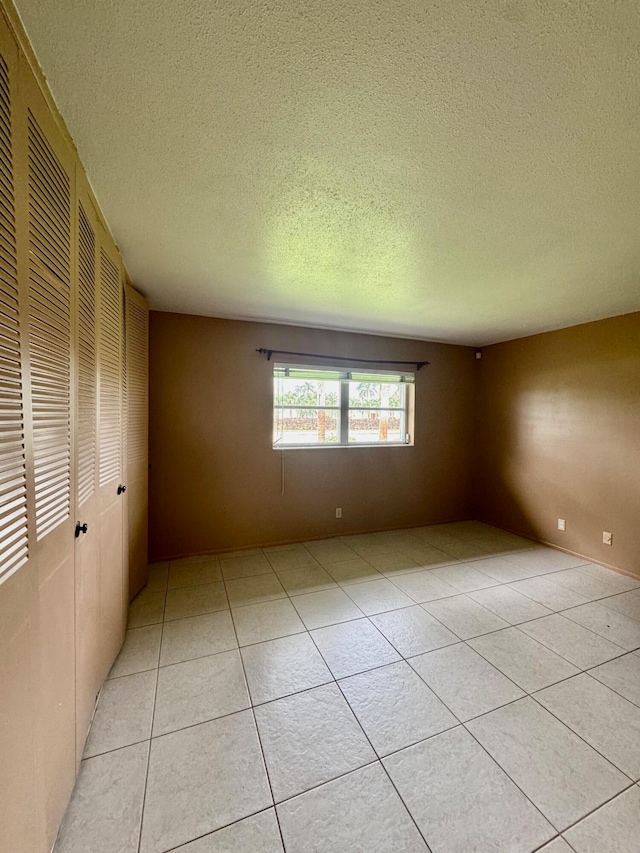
[(449, 689)]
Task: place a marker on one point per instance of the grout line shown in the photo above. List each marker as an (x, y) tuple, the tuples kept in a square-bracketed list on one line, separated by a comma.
[(578, 735), (623, 653), (595, 809), (218, 829), (255, 723), (604, 683), (155, 697)]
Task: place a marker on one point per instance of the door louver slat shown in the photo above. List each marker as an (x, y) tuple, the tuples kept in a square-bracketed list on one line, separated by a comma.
[(109, 369), (86, 358), (13, 477), (49, 330)]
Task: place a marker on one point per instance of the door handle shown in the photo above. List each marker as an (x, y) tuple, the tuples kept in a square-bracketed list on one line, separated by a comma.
[(121, 489), (81, 528)]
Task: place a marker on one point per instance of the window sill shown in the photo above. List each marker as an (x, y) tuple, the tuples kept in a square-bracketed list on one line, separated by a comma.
[(339, 446)]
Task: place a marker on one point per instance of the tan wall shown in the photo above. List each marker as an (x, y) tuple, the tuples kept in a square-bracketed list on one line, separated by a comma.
[(560, 425), (215, 481)]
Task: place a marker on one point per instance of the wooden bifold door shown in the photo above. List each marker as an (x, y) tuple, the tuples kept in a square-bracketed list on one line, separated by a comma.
[(73, 454)]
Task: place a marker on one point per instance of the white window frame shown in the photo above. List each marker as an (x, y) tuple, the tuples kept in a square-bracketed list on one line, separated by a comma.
[(343, 409)]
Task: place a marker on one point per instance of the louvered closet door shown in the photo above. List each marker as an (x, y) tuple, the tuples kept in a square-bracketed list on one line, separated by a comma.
[(90, 663), (113, 584), (48, 220), (20, 814), (137, 445)]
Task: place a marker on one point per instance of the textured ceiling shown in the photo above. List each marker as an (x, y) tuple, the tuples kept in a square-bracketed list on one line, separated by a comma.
[(461, 171)]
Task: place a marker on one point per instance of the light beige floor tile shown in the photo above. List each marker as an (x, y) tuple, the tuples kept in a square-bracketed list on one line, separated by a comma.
[(561, 774), (310, 738), (578, 645), (467, 683), (619, 582), (470, 529), (551, 595), (256, 834), (398, 539), (287, 546), (413, 631), (355, 570), (542, 560), (140, 651), (395, 707), (158, 577), (195, 600), (199, 690), (284, 666), (581, 581), (395, 562), (201, 779), (147, 608), (353, 647), (429, 557), (461, 800), (307, 579), (254, 590), (621, 675), (246, 552), (627, 603), (501, 570), (468, 551), (509, 605), (558, 845), (284, 561), (438, 535), (329, 607), (257, 623), (465, 617), (378, 597), (195, 559), (123, 714), (464, 577), (106, 806), (614, 828), (372, 549), (196, 637), (329, 551), (194, 574), (608, 623), (245, 566), (424, 586), (358, 812), (522, 659), (604, 719)]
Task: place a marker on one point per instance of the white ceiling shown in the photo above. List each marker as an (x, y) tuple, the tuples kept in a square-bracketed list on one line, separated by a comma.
[(460, 171)]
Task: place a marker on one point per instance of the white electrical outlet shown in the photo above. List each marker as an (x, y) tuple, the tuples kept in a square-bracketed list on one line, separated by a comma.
[(607, 538), (562, 524), (338, 512)]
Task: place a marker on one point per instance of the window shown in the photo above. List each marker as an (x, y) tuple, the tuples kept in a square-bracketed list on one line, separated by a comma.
[(331, 407)]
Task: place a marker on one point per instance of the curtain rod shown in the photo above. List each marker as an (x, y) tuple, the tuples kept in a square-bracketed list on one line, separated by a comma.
[(270, 352)]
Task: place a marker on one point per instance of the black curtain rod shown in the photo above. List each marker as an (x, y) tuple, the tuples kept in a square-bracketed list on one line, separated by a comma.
[(270, 352)]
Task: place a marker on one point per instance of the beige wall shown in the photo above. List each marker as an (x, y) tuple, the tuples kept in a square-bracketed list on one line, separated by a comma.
[(560, 424), (215, 481)]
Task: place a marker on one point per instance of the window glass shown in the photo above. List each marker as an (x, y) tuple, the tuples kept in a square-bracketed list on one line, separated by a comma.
[(315, 406)]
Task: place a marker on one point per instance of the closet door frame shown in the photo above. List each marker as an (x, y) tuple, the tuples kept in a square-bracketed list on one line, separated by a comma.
[(53, 551), (113, 574), (137, 461), (22, 810), (90, 667)]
